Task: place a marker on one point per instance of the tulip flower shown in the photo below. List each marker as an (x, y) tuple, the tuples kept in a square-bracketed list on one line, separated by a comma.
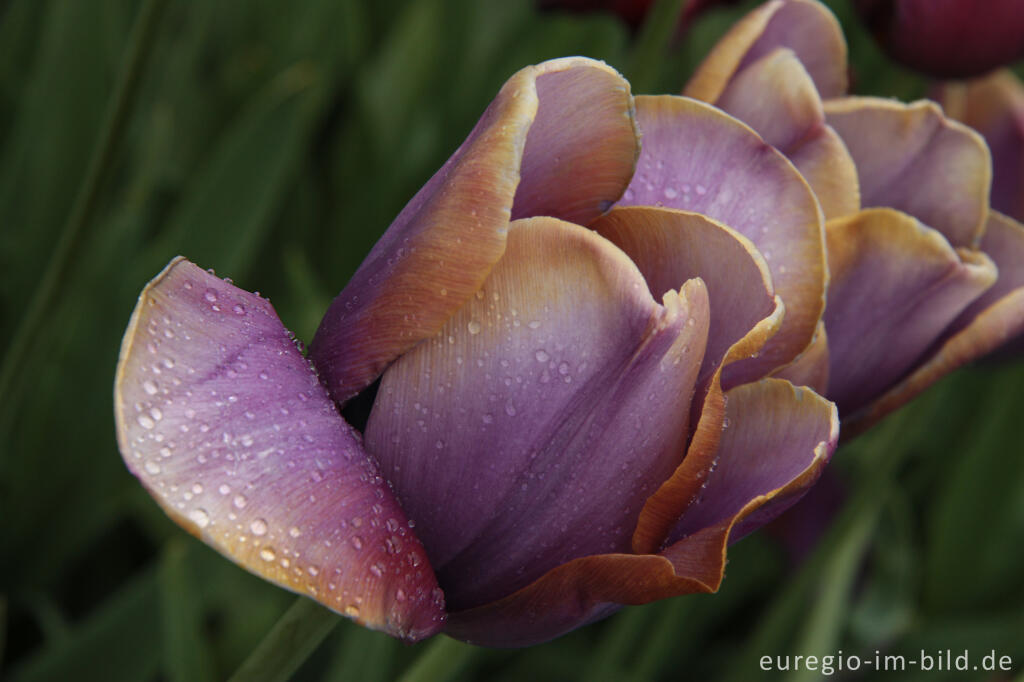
[(924, 276), (947, 38), (572, 337), (994, 106)]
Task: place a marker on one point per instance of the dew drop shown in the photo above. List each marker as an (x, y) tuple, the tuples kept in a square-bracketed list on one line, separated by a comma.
[(510, 409), (210, 295), (152, 468), (294, 531), (671, 193), (258, 527), (473, 326), (200, 517), (149, 387), (357, 542), (268, 554), (238, 309), (542, 355), (240, 501), (145, 422), (224, 489), (352, 611)]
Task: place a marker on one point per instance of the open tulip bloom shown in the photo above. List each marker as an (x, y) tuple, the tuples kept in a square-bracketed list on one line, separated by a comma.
[(593, 356)]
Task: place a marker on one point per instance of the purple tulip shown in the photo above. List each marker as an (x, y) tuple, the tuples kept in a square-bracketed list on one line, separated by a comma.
[(571, 336), (924, 276), (947, 38)]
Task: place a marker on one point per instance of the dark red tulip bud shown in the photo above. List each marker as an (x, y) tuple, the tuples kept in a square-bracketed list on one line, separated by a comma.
[(948, 38)]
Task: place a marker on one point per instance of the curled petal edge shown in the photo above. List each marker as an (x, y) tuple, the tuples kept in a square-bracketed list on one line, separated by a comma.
[(589, 588)]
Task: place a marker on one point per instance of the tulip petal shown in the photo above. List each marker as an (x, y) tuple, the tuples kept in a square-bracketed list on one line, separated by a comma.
[(994, 106), (671, 246), (778, 442), (903, 283), (912, 158), (811, 368), (224, 422), (564, 118), (994, 318), (806, 27), (776, 97), (696, 158), (533, 427)]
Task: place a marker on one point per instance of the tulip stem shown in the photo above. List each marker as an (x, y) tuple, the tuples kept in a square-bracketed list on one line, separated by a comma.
[(442, 660), (651, 44), (24, 339), (288, 644)]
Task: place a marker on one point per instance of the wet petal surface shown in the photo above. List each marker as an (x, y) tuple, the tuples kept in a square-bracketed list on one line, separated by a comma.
[(695, 158), (779, 436), (224, 422), (564, 118), (532, 429), (912, 158), (776, 97), (896, 285)]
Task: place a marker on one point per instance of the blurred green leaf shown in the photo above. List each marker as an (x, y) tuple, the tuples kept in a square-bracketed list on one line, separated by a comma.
[(119, 640), (186, 654)]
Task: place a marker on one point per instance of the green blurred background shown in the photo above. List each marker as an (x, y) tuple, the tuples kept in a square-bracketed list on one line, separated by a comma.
[(273, 141)]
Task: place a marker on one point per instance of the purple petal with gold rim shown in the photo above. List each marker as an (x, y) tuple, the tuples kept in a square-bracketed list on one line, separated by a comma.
[(227, 426), (530, 431), (563, 119)]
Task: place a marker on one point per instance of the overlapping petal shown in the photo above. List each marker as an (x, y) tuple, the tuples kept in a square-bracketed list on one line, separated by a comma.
[(530, 431), (904, 283), (224, 422), (994, 106), (988, 323), (670, 246), (912, 158), (776, 97), (778, 441), (806, 27), (559, 139), (695, 158)]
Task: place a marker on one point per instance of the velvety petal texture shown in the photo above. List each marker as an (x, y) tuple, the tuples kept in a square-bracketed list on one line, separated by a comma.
[(994, 106), (776, 97), (779, 439), (992, 321), (696, 158), (902, 281), (563, 119), (224, 422), (912, 158), (806, 27), (530, 431)]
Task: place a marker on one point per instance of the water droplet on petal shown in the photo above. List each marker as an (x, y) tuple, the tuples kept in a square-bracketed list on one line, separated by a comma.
[(149, 387), (268, 554), (258, 527), (473, 326), (200, 517)]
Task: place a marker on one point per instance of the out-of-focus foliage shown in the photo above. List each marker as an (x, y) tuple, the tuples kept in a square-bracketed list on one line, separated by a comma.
[(273, 141)]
